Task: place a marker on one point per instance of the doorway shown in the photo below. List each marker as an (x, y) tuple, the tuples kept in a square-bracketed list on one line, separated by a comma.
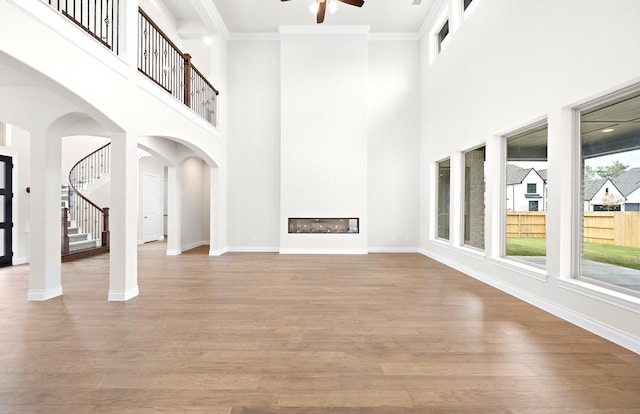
[(6, 212), (151, 211)]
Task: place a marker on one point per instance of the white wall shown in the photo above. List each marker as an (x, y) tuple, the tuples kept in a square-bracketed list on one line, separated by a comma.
[(393, 105), (75, 148), (323, 169), (512, 63), (254, 146), (195, 203)]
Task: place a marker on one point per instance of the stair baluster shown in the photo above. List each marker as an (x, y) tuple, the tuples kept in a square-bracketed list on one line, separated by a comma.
[(83, 212)]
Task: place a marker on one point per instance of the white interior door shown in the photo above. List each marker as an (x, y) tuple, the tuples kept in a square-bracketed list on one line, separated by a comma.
[(151, 208)]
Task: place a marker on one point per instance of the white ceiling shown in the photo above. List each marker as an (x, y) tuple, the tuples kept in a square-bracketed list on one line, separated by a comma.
[(264, 16)]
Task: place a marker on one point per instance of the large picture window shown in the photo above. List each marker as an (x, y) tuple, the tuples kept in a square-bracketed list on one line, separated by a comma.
[(444, 194), (526, 196), (474, 194), (610, 197)]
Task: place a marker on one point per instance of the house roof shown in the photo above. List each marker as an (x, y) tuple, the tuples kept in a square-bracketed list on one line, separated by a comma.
[(628, 182), (591, 187), (543, 174), (515, 174)]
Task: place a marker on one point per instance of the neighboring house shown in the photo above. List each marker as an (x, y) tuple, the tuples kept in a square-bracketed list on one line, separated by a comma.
[(602, 195), (526, 189), (629, 184)]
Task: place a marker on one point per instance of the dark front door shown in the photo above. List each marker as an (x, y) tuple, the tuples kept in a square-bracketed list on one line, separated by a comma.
[(6, 214)]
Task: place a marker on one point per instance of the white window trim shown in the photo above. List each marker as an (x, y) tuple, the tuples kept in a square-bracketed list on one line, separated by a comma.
[(500, 252), (578, 283), (433, 35)]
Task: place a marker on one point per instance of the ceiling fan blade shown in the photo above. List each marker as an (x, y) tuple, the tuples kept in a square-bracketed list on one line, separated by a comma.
[(357, 3), (322, 9)]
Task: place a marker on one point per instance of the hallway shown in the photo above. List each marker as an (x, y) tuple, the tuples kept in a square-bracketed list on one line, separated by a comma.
[(269, 333)]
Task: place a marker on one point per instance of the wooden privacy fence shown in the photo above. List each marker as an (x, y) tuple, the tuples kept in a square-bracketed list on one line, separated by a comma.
[(617, 228), (525, 224)]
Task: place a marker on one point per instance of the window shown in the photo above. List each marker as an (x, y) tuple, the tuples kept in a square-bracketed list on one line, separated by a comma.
[(465, 4), (474, 198), (610, 240), (444, 188), (526, 196), (442, 35)]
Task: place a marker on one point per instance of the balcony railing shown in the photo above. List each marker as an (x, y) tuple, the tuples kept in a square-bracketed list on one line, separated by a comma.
[(99, 18), (163, 62)]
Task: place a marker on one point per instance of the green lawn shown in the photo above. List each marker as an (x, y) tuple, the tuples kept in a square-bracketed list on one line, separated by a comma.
[(604, 253)]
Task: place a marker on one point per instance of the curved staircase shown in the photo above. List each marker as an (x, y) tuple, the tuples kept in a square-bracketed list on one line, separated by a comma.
[(85, 226)]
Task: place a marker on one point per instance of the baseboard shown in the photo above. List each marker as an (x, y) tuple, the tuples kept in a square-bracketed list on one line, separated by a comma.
[(195, 244), (393, 250), (218, 252), (323, 251), (174, 252), (605, 331), (253, 249), (123, 295), (40, 295), (19, 261)]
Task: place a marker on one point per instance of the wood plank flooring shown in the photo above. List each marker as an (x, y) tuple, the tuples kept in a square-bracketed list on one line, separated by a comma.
[(263, 333)]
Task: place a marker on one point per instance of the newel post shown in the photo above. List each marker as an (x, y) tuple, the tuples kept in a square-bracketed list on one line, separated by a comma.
[(64, 222), (187, 79), (105, 227)]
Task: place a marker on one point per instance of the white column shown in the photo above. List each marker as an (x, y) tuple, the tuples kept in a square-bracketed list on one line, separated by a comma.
[(218, 212), (45, 268), (495, 209), (174, 212), (129, 32), (123, 276)]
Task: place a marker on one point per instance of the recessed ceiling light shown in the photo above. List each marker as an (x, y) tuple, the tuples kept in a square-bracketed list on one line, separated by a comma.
[(608, 130)]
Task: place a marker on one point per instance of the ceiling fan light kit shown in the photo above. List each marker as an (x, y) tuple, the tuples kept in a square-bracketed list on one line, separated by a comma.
[(319, 7)]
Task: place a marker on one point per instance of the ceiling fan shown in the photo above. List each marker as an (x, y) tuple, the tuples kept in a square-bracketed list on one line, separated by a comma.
[(322, 7)]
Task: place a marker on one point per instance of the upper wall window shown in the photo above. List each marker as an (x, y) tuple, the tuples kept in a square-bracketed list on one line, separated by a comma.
[(474, 198), (444, 194), (465, 4), (526, 197), (610, 199), (442, 35)]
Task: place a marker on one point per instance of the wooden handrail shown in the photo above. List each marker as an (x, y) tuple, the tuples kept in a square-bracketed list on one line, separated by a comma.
[(155, 26), (205, 80), (75, 190), (160, 60)]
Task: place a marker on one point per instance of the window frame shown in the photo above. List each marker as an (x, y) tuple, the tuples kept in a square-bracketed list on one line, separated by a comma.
[(436, 215), (538, 272), (577, 223)]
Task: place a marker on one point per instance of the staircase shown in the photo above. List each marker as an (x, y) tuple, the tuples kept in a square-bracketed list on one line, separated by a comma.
[(85, 226), (78, 240)]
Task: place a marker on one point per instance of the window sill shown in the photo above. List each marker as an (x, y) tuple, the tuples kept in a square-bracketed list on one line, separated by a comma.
[(522, 268), (603, 294)]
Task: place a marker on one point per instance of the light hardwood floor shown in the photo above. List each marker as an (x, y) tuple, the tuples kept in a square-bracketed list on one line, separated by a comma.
[(264, 333)]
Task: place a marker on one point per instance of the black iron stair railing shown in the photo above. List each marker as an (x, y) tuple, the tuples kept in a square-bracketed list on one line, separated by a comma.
[(83, 212)]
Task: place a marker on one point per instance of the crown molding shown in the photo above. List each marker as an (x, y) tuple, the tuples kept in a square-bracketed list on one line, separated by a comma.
[(211, 16)]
